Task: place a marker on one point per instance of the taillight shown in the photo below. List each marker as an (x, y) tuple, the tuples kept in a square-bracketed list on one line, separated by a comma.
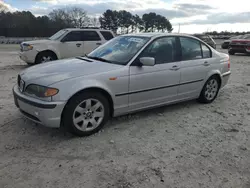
[(228, 65)]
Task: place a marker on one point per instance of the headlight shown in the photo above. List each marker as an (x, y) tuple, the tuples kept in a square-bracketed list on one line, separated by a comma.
[(41, 91), (27, 47)]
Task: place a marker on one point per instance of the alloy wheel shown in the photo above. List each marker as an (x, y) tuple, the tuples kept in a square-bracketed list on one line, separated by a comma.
[(211, 89), (88, 115)]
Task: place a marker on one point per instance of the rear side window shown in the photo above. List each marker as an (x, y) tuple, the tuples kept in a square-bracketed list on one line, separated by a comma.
[(107, 35), (205, 51), (190, 48), (90, 36), (73, 36)]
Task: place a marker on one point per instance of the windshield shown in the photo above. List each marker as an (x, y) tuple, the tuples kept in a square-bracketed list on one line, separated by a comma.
[(119, 50), (58, 35)]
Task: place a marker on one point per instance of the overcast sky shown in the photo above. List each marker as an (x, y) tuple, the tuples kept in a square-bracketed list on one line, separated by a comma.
[(193, 15)]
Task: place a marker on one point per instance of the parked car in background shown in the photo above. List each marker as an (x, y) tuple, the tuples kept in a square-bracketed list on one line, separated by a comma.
[(226, 43), (65, 43), (241, 45), (206, 38), (127, 74)]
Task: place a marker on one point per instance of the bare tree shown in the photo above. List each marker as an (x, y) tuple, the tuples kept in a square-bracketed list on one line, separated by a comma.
[(70, 17), (78, 16), (94, 22)]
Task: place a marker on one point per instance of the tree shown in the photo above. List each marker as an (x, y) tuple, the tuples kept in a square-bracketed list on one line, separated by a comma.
[(77, 16), (109, 20), (137, 23), (94, 22), (125, 20), (25, 24)]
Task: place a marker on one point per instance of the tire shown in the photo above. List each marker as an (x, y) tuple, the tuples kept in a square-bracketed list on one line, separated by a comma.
[(44, 57), (78, 118), (231, 52), (224, 46), (210, 90)]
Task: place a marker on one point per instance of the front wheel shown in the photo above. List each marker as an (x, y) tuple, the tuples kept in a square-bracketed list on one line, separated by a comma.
[(210, 90), (44, 57), (86, 113)]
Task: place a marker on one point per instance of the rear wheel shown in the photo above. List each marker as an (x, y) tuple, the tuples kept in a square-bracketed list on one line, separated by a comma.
[(210, 90), (86, 113), (44, 57)]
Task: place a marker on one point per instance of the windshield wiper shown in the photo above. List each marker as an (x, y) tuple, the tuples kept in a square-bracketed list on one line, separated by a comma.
[(98, 59)]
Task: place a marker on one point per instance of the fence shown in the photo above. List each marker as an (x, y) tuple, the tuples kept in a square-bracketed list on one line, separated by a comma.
[(17, 40)]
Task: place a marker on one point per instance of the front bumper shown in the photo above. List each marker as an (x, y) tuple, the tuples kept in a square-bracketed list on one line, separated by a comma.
[(28, 56), (42, 112)]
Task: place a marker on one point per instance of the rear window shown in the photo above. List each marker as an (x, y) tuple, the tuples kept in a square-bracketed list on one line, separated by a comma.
[(90, 36), (107, 35)]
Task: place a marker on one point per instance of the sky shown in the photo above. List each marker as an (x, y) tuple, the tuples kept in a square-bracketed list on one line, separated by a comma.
[(194, 16)]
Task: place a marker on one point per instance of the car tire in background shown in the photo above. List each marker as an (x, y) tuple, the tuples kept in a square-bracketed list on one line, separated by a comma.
[(86, 113), (231, 52), (224, 46), (44, 57), (210, 90)]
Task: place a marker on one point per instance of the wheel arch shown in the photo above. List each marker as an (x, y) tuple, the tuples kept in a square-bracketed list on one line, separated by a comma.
[(44, 51), (93, 89), (214, 73)]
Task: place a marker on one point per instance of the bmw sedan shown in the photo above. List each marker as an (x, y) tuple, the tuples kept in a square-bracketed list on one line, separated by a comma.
[(127, 74)]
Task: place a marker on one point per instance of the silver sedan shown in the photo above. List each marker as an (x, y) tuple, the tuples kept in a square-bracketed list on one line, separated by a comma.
[(127, 74)]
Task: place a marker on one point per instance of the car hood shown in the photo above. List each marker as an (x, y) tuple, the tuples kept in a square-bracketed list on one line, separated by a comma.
[(34, 42), (52, 72)]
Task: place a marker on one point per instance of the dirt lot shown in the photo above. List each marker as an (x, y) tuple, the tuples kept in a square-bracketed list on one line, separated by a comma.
[(186, 145)]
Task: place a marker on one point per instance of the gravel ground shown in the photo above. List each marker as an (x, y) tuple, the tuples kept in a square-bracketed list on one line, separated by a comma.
[(184, 145)]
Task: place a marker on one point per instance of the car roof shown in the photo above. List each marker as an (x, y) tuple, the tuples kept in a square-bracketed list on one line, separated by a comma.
[(87, 29), (155, 35)]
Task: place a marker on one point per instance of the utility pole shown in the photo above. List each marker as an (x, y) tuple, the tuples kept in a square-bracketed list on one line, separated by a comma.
[(179, 28)]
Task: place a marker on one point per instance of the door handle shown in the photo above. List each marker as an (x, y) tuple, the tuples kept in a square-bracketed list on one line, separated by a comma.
[(98, 43), (206, 63), (78, 44), (175, 68)]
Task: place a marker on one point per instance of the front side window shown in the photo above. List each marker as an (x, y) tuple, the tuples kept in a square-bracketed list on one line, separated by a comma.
[(190, 48), (163, 50), (73, 36), (119, 50), (90, 36)]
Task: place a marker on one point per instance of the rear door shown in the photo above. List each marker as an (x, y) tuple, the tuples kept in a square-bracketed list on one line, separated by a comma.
[(72, 45), (196, 61), (91, 40)]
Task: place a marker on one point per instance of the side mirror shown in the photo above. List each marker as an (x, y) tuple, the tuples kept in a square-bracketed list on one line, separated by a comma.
[(147, 61)]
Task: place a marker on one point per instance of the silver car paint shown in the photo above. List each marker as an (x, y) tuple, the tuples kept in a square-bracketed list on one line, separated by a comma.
[(125, 83)]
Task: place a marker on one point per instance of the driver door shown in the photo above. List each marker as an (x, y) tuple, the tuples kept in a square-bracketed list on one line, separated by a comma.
[(71, 45), (158, 84)]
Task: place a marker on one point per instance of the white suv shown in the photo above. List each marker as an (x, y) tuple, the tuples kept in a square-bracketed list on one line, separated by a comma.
[(65, 43)]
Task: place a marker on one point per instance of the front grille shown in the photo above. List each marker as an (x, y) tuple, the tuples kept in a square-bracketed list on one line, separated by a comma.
[(30, 116)]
